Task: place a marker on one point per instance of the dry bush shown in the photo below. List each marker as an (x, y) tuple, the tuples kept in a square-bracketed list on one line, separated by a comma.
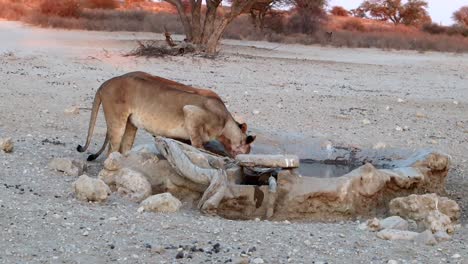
[(354, 24), (101, 4), (63, 8), (12, 11), (339, 11), (111, 20), (157, 49)]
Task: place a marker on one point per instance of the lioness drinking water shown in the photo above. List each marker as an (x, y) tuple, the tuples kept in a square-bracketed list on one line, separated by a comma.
[(164, 108)]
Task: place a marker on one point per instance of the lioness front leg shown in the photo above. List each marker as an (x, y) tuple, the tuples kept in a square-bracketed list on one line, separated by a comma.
[(193, 123)]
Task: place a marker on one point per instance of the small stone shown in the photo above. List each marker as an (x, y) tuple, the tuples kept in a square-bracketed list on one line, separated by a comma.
[(180, 255), (388, 108), (366, 121), (258, 261), (255, 112), (456, 256), (257, 219), (85, 233), (89, 189), (373, 225), (394, 234), (455, 102), (163, 202), (6, 144), (68, 166), (380, 145), (307, 243), (426, 238), (392, 261), (394, 222), (72, 110), (398, 128), (286, 222), (400, 100), (420, 115)]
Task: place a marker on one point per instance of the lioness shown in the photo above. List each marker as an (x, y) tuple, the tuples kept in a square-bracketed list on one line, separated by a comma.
[(165, 108)]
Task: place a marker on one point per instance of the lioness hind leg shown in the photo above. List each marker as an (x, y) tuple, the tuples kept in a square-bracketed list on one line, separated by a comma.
[(128, 137), (116, 132)]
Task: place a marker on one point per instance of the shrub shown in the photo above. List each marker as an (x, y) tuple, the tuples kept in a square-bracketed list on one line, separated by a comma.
[(339, 11), (354, 24), (63, 8), (101, 4)]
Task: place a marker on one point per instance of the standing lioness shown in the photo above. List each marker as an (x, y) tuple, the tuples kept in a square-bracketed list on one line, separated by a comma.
[(165, 108)]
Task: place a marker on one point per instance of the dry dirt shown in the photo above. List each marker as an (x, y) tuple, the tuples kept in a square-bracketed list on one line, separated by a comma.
[(291, 92)]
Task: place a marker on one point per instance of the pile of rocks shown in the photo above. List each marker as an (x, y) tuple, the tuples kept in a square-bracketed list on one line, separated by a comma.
[(427, 219)]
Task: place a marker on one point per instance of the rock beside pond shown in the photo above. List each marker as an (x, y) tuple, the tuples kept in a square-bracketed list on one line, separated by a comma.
[(89, 189), (164, 202), (417, 207), (429, 211), (132, 184), (6, 144), (426, 238), (395, 234), (68, 166), (268, 161), (113, 162), (394, 222)]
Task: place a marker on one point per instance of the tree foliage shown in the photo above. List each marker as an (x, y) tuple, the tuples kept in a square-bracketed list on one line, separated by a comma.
[(412, 12), (339, 11), (461, 16), (310, 14)]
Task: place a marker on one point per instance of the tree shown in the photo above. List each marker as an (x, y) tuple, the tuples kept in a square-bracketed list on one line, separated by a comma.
[(413, 12), (208, 34), (339, 11), (310, 13), (461, 16)]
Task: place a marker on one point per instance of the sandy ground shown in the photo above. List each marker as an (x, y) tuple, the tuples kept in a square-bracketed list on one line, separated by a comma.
[(300, 93)]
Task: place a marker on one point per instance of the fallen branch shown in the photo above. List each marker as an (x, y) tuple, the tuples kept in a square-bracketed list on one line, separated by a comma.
[(177, 154)]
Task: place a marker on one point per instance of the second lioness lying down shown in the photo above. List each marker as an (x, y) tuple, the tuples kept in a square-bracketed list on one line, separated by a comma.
[(164, 108)]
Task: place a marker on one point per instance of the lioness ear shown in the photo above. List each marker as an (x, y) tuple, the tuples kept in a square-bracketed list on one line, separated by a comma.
[(250, 139), (243, 127)]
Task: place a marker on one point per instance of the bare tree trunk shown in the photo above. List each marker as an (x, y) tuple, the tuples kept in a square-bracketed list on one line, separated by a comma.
[(213, 40), (196, 21), (183, 17), (210, 18)]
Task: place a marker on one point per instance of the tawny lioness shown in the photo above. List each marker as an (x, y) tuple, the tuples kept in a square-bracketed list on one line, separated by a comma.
[(164, 108)]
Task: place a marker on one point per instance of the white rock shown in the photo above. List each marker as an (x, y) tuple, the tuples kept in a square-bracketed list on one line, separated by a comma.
[(392, 261), (6, 144), (380, 145), (456, 256), (373, 225), (113, 162), (455, 102), (437, 221), (163, 202), (398, 128), (255, 112), (68, 166), (132, 184), (442, 236), (89, 189), (400, 100), (258, 261), (394, 222), (426, 238), (366, 121), (307, 243), (394, 234), (72, 110)]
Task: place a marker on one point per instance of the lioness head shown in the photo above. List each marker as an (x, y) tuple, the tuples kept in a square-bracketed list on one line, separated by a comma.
[(240, 145)]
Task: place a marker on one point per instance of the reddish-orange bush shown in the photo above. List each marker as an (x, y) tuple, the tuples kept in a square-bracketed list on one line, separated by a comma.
[(354, 24), (63, 8), (339, 11), (102, 4)]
